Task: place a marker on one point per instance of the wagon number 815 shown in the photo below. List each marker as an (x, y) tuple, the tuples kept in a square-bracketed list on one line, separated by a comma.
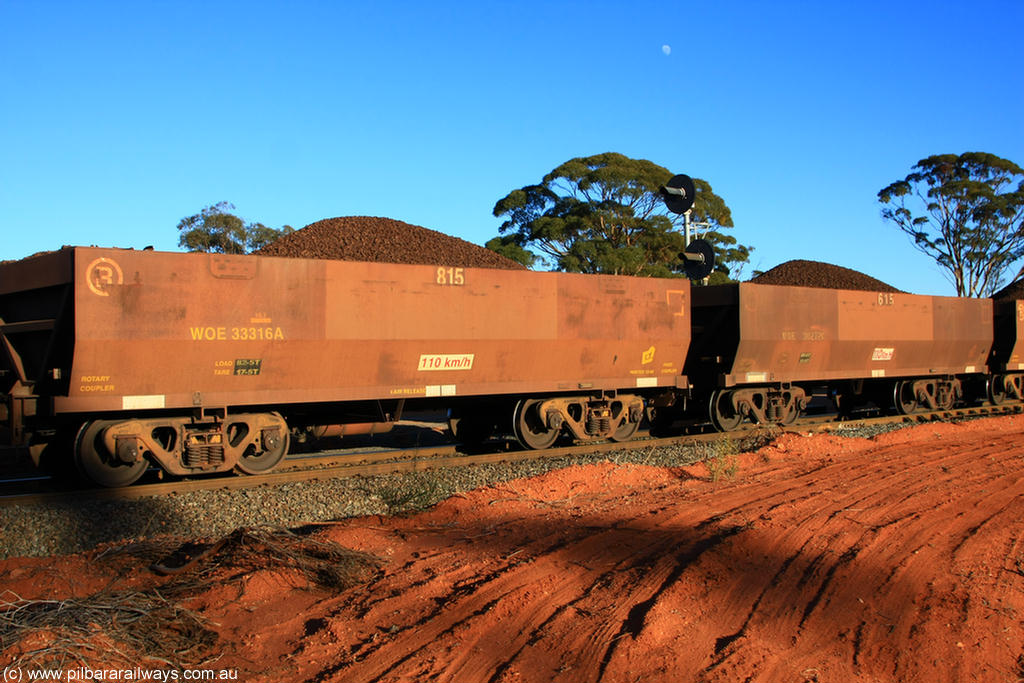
[(451, 276)]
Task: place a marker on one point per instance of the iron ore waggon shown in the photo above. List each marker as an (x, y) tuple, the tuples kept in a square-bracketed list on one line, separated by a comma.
[(760, 351), (117, 359), (1006, 362), (207, 362)]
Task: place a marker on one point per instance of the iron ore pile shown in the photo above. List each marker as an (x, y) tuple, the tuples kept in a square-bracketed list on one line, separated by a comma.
[(367, 238), (801, 273), (1014, 290)]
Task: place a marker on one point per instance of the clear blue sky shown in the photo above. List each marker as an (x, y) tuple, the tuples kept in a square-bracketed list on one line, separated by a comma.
[(117, 119)]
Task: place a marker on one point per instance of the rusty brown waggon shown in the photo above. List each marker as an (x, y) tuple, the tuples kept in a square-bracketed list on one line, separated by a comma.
[(208, 362), (117, 359), (759, 350)]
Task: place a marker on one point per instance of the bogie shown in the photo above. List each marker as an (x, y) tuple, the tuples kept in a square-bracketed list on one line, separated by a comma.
[(118, 452), (538, 422), (782, 405)]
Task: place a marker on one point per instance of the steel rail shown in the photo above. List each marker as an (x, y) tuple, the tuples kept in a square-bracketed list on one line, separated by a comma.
[(417, 459)]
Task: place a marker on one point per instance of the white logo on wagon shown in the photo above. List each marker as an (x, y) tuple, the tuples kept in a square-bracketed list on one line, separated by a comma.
[(446, 361), (102, 274)]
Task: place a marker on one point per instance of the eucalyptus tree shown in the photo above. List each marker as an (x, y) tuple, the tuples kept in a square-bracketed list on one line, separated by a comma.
[(965, 211), (215, 229), (604, 214)]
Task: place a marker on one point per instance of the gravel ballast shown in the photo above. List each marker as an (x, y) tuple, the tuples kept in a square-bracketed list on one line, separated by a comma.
[(81, 524)]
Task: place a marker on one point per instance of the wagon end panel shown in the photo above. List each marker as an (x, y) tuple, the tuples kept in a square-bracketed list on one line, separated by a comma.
[(715, 331), (36, 340), (1008, 336), (756, 334)]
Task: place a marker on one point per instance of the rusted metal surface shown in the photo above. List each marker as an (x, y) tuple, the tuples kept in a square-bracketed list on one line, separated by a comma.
[(155, 331), (209, 449), (35, 311), (350, 429), (1008, 346), (752, 333), (36, 272)]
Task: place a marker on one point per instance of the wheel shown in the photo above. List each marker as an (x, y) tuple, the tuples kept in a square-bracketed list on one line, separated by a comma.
[(945, 397), (627, 429), (97, 464), (996, 389), (791, 415), (904, 398), (274, 449), (530, 427), (723, 413)]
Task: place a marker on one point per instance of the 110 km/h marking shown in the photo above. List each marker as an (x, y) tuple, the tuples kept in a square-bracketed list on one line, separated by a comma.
[(446, 361)]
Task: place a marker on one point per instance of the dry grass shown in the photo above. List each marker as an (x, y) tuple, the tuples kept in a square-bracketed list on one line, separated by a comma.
[(325, 565), (720, 458), (125, 628), (116, 627)]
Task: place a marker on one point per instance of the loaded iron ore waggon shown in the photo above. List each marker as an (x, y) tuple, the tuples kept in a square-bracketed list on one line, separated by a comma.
[(1006, 362), (117, 359), (206, 363), (760, 351)]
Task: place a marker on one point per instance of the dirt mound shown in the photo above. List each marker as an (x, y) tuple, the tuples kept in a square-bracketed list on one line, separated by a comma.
[(800, 273), (38, 253), (366, 238), (899, 558), (1011, 292)]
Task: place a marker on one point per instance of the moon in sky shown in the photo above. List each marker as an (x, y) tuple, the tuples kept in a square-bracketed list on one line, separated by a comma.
[(667, 49)]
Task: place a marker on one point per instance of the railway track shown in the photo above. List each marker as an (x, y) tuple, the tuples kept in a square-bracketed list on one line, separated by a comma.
[(29, 489)]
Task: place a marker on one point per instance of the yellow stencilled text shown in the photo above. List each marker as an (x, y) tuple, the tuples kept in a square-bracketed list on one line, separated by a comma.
[(247, 333), (96, 384)]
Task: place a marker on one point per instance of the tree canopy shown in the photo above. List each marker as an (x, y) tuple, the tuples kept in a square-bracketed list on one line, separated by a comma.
[(604, 214), (966, 212), (215, 229)]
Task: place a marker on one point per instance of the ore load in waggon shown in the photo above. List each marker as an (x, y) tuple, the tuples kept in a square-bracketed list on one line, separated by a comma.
[(115, 359)]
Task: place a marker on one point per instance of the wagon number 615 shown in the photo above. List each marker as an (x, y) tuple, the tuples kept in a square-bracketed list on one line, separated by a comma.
[(451, 276)]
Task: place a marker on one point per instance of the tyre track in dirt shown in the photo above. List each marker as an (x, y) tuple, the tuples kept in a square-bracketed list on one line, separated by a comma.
[(513, 593), (880, 563), (826, 559), (838, 571)]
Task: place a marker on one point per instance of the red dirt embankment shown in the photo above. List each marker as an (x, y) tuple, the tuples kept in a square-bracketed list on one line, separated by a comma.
[(894, 559)]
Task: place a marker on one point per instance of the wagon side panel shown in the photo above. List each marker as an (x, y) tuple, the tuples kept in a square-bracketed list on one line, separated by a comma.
[(157, 330)]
